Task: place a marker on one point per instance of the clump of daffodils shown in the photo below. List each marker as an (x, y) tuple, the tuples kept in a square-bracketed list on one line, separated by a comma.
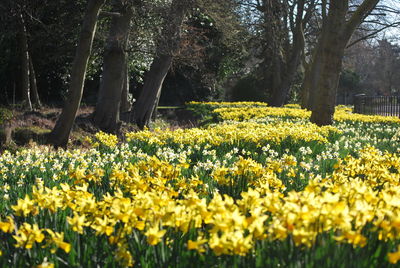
[(105, 139)]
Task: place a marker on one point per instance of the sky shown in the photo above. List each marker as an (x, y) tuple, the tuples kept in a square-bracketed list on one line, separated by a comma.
[(393, 33)]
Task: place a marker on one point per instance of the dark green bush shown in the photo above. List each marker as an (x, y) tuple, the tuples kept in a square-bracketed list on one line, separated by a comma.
[(249, 88)]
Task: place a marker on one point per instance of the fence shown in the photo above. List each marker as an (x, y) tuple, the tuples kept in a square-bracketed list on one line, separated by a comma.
[(381, 105)]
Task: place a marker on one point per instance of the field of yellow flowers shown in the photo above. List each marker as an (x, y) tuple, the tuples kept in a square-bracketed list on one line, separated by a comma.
[(256, 187)]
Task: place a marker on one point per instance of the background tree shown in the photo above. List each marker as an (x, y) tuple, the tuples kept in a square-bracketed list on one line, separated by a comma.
[(213, 45), (335, 35), (114, 75), (383, 17), (15, 17), (376, 63), (298, 21), (24, 60), (279, 29), (50, 60), (386, 64), (167, 47), (60, 134)]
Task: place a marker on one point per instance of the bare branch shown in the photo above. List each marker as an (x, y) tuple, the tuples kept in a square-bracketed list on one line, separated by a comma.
[(111, 14), (368, 36)]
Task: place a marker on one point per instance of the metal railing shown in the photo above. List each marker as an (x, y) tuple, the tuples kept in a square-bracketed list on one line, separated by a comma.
[(380, 105)]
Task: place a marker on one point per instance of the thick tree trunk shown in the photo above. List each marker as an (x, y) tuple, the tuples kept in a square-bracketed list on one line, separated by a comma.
[(276, 82), (287, 80), (284, 71), (109, 100), (125, 102), (330, 53), (312, 69), (147, 101), (34, 90), (336, 33), (311, 79), (144, 107), (24, 60), (154, 115), (274, 50), (60, 134), (305, 87), (323, 107)]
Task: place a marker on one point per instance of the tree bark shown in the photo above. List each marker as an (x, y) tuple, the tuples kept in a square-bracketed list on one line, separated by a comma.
[(276, 81), (24, 60), (283, 69), (305, 87), (274, 50), (282, 91), (108, 105), (60, 134), (33, 84), (311, 78), (144, 107), (166, 49), (125, 102), (336, 33)]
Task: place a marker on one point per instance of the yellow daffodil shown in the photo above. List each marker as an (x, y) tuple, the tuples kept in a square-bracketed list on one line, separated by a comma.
[(154, 235)]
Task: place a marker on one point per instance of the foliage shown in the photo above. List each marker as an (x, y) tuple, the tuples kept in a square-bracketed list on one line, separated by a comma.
[(248, 88), (349, 85), (349, 79), (5, 115)]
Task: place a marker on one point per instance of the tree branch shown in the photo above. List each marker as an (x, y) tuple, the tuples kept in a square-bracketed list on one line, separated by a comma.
[(358, 16), (372, 34), (111, 14)]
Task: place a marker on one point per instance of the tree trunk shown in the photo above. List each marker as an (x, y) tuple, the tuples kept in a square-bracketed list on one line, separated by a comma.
[(24, 60), (285, 68), (60, 134), (311, 78), (154, 115), (276, 82), (330, 53), (125, 102), (336, 33), (305, 87), (323, 107), (144, 107), (108, 104), (275, 32), (282, 91), (33, 84)]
